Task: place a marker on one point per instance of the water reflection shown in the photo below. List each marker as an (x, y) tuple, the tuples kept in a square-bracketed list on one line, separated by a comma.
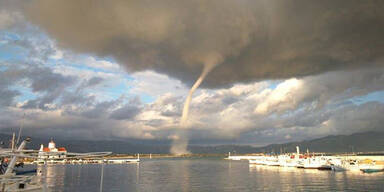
[(165, 175), (52, 176), (289, 178), (203, 175)]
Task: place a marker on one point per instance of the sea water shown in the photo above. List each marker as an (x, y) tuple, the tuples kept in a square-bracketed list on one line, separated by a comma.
[(202, 175)]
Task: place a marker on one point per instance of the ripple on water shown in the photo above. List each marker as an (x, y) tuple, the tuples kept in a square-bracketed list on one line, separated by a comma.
[(204, 175)]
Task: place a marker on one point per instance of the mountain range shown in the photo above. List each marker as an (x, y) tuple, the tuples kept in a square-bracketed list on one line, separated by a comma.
[(358, 142)]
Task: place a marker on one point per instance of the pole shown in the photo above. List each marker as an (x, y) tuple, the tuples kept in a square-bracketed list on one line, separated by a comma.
[(12, 163), (13, 141), (21, 128), (102, 176)]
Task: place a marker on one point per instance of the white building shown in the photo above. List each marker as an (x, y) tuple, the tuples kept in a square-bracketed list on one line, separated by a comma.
[(51, 153)]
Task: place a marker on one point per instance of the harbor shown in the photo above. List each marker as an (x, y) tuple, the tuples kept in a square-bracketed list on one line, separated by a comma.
[(202, 174), (191, 95), (342, 162), (55, 168), (59, 155)]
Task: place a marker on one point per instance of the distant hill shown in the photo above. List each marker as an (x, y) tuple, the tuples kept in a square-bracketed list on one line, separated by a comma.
[(358, 142), (92, 146)]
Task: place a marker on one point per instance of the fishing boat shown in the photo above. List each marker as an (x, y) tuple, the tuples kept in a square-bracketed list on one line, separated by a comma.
[(256, 162), (9, 179), (288, 161), (265, 160), (122, 160), (365, 164), (272, 161), (12, 180), (372, 170), (371, 167), (320, 163)]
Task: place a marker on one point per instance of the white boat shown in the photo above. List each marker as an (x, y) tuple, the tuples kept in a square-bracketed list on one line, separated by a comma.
[(13, 183), (349, 165), (9, 181), (265, 160), (272, 161), (288, 161), (317, 163), (366, 164), (256, 161), (356, 165), (121, 161), (336, 164)]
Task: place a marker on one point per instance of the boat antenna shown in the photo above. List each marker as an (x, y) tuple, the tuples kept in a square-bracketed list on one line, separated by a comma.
[(13, 141), (21, 128)]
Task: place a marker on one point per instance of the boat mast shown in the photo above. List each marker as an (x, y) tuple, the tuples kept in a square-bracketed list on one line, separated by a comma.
[(21, 128), (12, 164), (13, 141)]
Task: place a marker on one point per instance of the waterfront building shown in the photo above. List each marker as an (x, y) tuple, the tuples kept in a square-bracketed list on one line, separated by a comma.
[(51, 153)]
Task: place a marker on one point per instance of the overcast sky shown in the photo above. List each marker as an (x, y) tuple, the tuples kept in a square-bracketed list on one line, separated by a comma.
[(285, 70)]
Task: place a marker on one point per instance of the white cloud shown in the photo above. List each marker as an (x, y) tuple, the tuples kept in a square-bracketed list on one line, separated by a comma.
[(284, 96), (101, 64), (57, 55), (298, 107), (223, 113), (7, 18), (156, 84)]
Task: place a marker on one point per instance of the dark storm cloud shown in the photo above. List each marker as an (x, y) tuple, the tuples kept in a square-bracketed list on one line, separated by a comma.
[(347, 119), (41, 102), (168, 105), (171, 113), (36, 48), (7, 96), (78, 98), (253, 40), (100, 109), (316, 92), (126, 112), (41, 80), (45, 80), (357, 118), (229, 100), (94, 81)]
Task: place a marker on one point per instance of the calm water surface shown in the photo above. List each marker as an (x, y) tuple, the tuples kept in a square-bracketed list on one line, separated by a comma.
[(204, 175)]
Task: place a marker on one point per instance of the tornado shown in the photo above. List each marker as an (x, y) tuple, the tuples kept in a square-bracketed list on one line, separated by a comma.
[(180, 141)]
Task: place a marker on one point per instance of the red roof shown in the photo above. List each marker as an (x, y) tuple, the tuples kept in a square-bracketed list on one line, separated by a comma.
[(62, 149), (46, 149)]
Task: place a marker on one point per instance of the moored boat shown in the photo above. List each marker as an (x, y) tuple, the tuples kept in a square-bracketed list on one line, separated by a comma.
[(320, 163), (371, 170)]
